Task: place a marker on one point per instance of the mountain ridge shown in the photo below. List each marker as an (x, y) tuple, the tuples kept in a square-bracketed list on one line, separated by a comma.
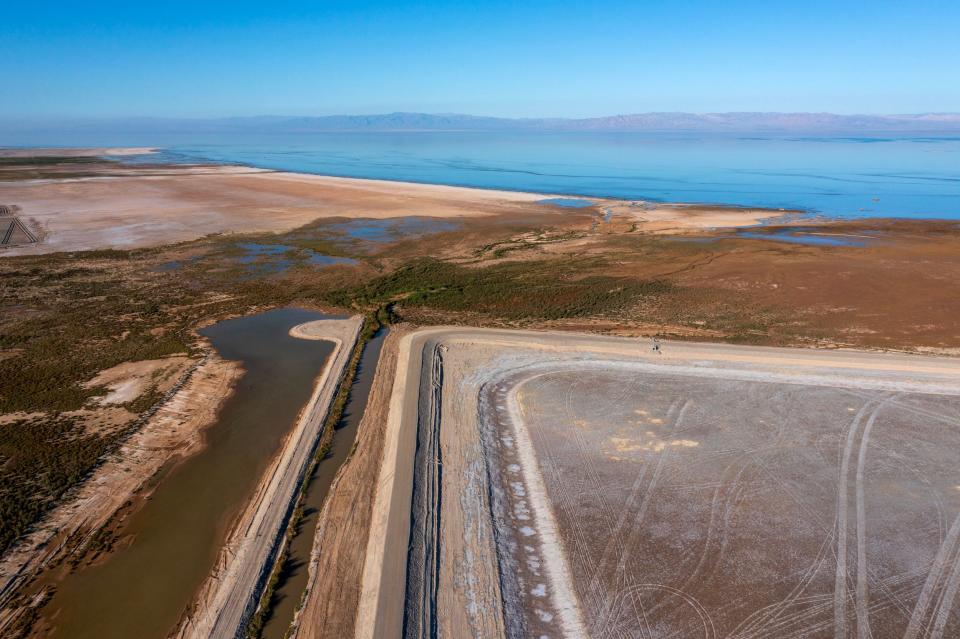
[(739, 121)]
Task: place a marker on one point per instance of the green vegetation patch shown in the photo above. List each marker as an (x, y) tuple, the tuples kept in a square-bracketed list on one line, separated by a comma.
[(53, 356), (517, 290)]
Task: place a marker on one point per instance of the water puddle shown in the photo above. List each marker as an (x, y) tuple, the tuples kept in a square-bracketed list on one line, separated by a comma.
[(389, 230), (141, 589), (318, 259), (567, 202), (176, 265), (811, 239), (270, 259)]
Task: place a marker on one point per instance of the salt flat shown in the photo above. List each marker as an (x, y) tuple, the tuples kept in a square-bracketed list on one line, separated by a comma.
[(581, 486)]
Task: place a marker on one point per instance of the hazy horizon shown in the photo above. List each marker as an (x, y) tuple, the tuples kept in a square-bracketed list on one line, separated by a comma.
[(18, 130)]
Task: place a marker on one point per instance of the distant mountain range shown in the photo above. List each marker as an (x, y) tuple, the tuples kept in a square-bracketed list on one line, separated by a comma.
[(697, 122)]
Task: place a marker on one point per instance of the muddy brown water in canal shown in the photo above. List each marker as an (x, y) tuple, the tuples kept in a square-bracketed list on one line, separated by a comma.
[(293, 577), (142, 589)]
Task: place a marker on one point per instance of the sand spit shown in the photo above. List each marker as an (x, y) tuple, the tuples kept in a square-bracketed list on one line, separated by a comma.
[(127, 207), (663, 218), (230, 595), (174, 430), (487, 435)]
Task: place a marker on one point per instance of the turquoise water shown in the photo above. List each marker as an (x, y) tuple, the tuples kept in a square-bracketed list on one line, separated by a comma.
[(881, 175)]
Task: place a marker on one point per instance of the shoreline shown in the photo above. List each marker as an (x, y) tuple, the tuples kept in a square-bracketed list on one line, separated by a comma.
[(807, 213), (176, 427), (143, 206)]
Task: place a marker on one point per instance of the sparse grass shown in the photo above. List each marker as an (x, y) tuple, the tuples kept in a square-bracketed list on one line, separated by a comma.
[(40, 459)]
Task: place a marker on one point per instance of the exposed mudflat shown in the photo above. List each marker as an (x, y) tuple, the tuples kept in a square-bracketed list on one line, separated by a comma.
[(575, 486), (131, 206)]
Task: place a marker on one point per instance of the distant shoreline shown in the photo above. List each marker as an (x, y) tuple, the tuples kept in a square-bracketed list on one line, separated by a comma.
[(805, 194), (136, 205)]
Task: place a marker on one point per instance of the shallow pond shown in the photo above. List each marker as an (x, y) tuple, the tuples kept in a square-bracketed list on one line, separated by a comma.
[(381, 231), (800, 237)]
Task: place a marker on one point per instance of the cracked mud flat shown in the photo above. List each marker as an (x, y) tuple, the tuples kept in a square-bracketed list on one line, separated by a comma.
[(576, 486)]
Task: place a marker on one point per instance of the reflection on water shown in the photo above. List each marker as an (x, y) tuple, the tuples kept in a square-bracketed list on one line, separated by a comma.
[(142, 588)]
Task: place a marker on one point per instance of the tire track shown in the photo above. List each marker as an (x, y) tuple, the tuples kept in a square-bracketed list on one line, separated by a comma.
[(946, 600), (927, 594), (840, 577), (605, 620), (862, 588), (594, 583)]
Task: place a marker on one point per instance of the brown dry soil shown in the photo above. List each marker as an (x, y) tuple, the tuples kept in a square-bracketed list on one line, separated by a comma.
[(67, 316)]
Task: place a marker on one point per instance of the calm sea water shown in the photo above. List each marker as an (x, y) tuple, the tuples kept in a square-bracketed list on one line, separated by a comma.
[(915, 176)]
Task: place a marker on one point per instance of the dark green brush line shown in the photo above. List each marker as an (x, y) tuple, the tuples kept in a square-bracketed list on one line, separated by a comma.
[(371, 325)]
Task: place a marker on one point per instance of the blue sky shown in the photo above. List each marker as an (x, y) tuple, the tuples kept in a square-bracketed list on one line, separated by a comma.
[(574, 59)]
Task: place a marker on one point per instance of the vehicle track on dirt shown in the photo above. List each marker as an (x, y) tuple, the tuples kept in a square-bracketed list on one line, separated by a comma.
[(476, 359)]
